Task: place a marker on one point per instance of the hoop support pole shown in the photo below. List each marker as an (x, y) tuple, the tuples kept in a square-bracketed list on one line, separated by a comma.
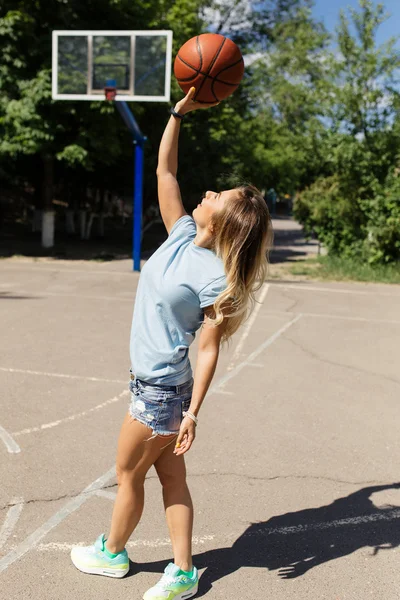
[(138, 140)]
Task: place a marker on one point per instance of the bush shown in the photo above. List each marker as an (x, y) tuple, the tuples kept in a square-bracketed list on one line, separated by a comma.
[(365, 227)]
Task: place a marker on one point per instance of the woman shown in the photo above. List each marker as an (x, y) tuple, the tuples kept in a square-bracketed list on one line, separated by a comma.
[(204, 275)]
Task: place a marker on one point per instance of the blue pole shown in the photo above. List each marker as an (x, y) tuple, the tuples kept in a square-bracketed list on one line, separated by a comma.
[(137, 204), (139, 141)]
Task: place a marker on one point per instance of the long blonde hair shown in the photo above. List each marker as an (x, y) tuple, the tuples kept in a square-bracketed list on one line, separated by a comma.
[(242, 238)]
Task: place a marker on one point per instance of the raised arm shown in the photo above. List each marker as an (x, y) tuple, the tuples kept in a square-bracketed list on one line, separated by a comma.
[(169, 194)]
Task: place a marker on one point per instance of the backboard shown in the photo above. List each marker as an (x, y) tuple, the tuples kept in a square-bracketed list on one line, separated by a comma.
[(138, 61)]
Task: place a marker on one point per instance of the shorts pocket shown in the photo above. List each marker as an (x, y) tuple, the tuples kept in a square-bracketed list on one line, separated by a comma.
[(185, 405), (149, 394)]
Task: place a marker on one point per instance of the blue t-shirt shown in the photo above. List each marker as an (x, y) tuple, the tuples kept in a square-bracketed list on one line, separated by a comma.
[(176, 283)]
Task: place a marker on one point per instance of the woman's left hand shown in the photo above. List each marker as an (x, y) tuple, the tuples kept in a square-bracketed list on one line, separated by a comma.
[(187, 433)]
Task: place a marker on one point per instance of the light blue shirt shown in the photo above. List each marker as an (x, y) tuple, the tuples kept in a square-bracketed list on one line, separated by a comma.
[(175, 284)]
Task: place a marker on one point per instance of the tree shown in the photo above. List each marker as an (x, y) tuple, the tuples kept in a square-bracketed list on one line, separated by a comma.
[(358, 198)]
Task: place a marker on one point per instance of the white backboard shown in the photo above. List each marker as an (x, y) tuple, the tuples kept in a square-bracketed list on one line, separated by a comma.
[(139, 62)]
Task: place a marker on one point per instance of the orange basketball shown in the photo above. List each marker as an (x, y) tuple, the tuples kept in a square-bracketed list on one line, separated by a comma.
[(212, 63)]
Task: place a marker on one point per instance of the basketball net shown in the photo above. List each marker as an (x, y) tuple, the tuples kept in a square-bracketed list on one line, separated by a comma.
[(110, 93)]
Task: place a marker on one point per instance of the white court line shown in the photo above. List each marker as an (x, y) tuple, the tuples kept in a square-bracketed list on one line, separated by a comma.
[(49, 268), (253, 355), (62, 375), (378, 516), (157, 543), (84, 296), (308, 288), (362, 319), (8, 441), (72, 417), (259, 531), (32, 540), (75, 295), (11, 519), (270, 313), (248, 326), (107, 494)]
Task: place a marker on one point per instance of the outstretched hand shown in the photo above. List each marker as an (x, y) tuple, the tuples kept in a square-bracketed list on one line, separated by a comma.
[(187, 104)]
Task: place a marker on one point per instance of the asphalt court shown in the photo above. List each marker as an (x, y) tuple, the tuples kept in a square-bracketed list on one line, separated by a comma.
[(294, 472)]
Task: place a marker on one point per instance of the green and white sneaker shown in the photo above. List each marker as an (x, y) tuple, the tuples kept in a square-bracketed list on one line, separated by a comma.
[(94, 560), (174, 585)]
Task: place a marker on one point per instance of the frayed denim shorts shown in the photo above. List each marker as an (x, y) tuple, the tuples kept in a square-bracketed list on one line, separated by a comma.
[(159, 407)]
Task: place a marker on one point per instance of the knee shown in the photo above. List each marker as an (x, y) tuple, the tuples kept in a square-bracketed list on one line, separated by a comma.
[(128, 476), (172, 480)]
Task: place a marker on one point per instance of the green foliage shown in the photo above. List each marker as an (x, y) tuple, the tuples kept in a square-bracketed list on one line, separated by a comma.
[(339, 268), (311, 120), (355, 209), (382, 215)]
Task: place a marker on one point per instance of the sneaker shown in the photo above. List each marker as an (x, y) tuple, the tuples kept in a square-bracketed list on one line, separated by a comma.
[(174, 585), (93, 559)]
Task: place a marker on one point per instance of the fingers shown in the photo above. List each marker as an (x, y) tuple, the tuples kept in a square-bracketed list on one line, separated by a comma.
[(190, 94), (208, 104), (180, 437), (184, 446), (184, 441), (190, 103)]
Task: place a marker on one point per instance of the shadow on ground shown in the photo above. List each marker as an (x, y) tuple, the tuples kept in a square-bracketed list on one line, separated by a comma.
[(294, 543), (289, 241), (17, 240)]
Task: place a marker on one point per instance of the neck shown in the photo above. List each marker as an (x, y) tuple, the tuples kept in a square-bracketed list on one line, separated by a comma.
[(203, 238)]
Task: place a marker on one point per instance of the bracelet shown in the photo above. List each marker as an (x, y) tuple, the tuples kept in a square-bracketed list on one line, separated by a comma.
[(176, 114), (187, 413)]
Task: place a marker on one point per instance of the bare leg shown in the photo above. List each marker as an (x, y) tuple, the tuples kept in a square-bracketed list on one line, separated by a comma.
[(134, 458), (178, 505)]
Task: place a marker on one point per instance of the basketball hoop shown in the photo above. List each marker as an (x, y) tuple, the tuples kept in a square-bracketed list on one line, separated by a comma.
[(110, 90), (110, 93)]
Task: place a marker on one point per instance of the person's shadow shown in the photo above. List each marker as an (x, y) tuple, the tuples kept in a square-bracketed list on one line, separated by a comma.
[(295, 542)]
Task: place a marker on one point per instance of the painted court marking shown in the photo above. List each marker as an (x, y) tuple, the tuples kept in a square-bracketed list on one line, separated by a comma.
[(309, 288), (62, 375), (250, 359), (9, 442), (247, 327), (106, 494), (262, 531), (32, 540), (72, 417), (74, 295), (27, 266), (270, 313), (157, 543), (11, 519)]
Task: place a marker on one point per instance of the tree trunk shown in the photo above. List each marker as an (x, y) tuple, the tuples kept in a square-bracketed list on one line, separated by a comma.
[(82, 224), (48, 229), (48, 211), (100, 223), (69, 221)]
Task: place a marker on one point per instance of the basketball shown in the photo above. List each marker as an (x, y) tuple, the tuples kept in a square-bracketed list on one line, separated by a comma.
[(211, 63)]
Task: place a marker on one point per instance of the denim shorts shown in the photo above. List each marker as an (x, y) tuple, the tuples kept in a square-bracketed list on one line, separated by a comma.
[(159, 407)]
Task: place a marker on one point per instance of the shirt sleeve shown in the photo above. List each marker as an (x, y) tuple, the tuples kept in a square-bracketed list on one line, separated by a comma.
[(184, 227), (210, 293)]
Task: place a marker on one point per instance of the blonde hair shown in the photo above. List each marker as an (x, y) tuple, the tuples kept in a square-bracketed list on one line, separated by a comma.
[(242, 238)]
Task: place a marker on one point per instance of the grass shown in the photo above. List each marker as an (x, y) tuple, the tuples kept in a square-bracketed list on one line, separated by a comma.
[(345, 269)]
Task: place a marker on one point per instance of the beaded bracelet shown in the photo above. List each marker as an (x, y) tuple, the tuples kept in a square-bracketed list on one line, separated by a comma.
[(187, 413)]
